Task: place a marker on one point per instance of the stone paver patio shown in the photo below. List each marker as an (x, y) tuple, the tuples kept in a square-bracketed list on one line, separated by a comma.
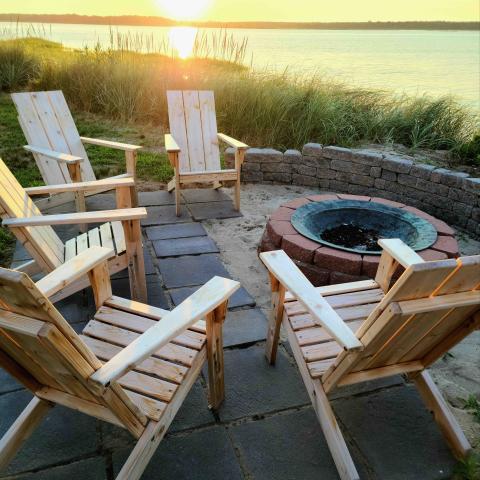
[(266, 428)]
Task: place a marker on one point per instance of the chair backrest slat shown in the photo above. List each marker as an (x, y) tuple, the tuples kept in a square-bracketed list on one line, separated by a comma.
[(41, 242), (194, 126), (47, 123)]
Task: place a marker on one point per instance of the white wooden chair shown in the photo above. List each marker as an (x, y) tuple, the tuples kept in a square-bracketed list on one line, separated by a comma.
[(57, 146), (132, 366), (192, 144), (120, 229), (354, 332)]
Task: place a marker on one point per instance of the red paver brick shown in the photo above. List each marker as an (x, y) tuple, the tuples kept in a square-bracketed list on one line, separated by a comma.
[(442, 227), (370, 265), (323, 197), (346, 196), (277, 229), (338, 260), (390, 203), (282, 214), (266, 245), (430, 255), (299, 247), (447, 245), (340, 277), (316, 275), (296, 203)]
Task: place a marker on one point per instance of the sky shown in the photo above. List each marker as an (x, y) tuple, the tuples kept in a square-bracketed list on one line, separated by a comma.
[(261, 10)]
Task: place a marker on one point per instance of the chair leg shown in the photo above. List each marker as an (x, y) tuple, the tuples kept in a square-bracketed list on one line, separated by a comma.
[(178, 198), (275, 320), (21, 429), (216, 380), (333, 434), (171, 185), (442, 414), (136, 263)]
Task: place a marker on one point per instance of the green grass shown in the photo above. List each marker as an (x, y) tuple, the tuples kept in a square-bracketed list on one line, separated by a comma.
[(473, 406), (468, 469)]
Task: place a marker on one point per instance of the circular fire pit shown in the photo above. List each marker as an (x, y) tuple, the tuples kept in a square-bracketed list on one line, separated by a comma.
[(356, 226), (305, 228)]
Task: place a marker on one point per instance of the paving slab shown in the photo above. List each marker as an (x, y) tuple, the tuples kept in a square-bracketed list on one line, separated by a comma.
[(240, 299), (160, 197), (253, 388), (396, 434), (101, 201), (212, 210), (155, 294), (148, 261), (366, 387), (178, 230), (8, 383), (242, 327), (20, 254), (290, 446), (191, 270), (184, 246), (62, 436), (202, 195), (75, 308), (201, 455), (89, 469), (164, 214)]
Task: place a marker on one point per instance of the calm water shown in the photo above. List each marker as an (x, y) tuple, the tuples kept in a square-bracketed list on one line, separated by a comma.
[(413, 62)]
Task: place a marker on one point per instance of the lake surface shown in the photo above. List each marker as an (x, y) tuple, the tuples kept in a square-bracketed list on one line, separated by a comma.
[(415, 62)]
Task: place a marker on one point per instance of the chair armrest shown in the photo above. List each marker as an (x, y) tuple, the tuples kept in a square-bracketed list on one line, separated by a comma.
[(200, 303), (79, 218), (400, 251), (110, 144), (232, 142), (171, 145), (290, 276), (58, 156), (74, 269), (82, 186)]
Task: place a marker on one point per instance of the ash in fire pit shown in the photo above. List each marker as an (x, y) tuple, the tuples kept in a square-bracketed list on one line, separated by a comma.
[(356, 226), (352, 236)]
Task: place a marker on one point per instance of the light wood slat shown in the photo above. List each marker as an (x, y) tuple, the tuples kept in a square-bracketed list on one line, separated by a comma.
[(322, 351), (350, 287), (176, 119), (82, 243), (381, 372), (36, 135), (400, 251), (119, 236), (94, 237), (155, 366), (347, 314), (311, 336), (148, 385), (126, 147), (140, 324), (340, 301), (466, 277), (70, 132), (232, 142), (318, 368), (193, 125), (70, 249), (150, 407), (171, 144), (106, 238), (209, 130), (118, 336)]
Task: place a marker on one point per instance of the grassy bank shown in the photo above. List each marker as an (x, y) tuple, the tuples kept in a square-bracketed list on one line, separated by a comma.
[(260, 108)]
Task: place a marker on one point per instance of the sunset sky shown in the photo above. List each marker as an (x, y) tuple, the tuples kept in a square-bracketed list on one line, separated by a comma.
[(267, 10)]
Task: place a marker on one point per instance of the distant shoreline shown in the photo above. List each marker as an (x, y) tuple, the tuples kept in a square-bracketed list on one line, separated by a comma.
[(144, 21)]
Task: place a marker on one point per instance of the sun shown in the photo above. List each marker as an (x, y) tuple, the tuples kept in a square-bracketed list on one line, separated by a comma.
[(184, 9)]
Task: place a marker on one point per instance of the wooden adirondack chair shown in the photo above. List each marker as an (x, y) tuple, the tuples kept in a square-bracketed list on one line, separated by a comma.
[(354, 332), (192, 144), (132, 366), (119, 229), (57, 146)]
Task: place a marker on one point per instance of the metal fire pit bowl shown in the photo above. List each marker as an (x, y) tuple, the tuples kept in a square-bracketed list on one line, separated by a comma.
[(315, 219)]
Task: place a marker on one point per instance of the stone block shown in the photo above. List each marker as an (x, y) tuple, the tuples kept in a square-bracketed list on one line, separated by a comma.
[(340, 153), (325, 173), (404, 179), (446, 245), (367, 157), (370, 265), (312, 149), (292, 156), (462, 209), (250, 167), (263, 155), (253, 387), (277, 229), (304, 180), (396, 164), (338, 186), (472, 185), (252, 177), (362, 180), (422, 170), (317, 162), (317, 276), (299, 247), (338, 260), (388, 175), (448, 177), (302, 169), (340, 277), (380, 183), (281, 167), (278, 177), (350, 167), (376, 172)]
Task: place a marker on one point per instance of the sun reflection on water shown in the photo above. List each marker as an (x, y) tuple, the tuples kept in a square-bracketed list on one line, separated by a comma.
[(182, 40)]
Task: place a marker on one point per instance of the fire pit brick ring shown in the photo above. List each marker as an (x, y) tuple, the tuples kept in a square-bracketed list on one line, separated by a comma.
[(332, 237)]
